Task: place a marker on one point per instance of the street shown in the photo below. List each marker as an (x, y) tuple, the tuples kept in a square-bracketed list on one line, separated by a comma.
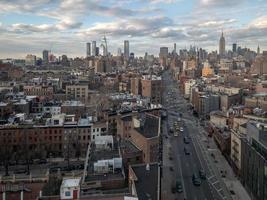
[(184, 166)]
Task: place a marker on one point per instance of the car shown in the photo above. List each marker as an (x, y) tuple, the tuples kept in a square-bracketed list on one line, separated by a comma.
[(22, 162), (20, 171), (178, 186), (186, 140), (11, 162), (181, 129), (54, 169), (186, 151), (42, 161), (196, 180), (202, 174)]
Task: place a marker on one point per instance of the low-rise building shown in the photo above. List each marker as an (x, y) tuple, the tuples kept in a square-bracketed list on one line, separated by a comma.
[(145, 135), (70, 188), (144, 181)]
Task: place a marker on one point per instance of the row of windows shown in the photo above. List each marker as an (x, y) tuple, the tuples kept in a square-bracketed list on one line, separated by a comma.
[(31, 139), (49, 132)]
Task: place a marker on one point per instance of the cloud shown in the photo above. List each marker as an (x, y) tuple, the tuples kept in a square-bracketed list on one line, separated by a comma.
[(169, 32), (220, 3), (260, 22), (216, 23), (130, 27), (22, 6), (20, 28), (163, 1)]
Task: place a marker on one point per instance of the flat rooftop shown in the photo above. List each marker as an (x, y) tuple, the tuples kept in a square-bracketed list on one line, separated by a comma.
[(147, 181), (128, 147), (149, 126)]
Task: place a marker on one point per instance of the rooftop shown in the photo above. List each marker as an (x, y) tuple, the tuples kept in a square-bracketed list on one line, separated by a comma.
[(126, 118), (128, 147), (149, 126), (147, 181), (73, 182)]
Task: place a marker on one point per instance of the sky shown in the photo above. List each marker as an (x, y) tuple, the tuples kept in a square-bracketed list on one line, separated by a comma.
[(64, 26)]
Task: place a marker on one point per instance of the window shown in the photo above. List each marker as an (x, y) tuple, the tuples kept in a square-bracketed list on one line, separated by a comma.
[(67, 193)]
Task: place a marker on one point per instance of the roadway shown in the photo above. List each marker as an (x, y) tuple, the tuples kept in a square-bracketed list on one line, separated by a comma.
[(185, 165)]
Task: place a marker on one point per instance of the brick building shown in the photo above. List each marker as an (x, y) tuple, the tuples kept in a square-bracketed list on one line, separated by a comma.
[(146, 136), (152, 88)]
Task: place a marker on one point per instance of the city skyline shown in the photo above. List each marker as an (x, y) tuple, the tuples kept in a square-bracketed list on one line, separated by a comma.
[(28, 28)]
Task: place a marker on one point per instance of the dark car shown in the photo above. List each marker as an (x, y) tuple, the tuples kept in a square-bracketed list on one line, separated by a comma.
[(20, 171), (54, 169), (202, 174), (186, 140), (178, 186), (196, 180), (42, 161), (186, 151)]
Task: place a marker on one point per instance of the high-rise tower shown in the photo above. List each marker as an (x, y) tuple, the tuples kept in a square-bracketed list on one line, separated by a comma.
[(45, 56), (94, 48), (126, 49), (222, 45), (88, 49), (258, 50)]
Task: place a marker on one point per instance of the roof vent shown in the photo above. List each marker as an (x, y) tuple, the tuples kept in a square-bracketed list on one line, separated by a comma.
[(147, 167)]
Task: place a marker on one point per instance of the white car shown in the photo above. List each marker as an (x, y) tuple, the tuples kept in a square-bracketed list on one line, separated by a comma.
[(181, 129)]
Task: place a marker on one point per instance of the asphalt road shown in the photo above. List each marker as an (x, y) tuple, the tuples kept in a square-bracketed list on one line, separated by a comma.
[(184, 165)]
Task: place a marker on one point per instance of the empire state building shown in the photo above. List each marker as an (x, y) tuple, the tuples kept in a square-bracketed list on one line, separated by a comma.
[(222, 45)]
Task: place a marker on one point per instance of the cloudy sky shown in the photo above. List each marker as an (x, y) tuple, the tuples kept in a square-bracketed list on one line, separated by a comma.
[(64, 26)]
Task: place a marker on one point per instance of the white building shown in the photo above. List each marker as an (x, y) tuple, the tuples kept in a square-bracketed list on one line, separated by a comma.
[(30, 60), (53, 109), (70, 188), (188, 87)]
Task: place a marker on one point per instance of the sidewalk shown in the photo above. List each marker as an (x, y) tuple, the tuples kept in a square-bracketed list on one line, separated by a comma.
[(231, 181)]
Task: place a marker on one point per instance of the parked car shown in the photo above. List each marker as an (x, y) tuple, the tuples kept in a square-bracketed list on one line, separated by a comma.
[(202, 174), (42, 161), (186, 140), (196, 180), (20, 171), (186, 151), (178, 186)]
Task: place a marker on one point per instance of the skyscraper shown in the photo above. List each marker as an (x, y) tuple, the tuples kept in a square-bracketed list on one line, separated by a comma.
[(94, 48), (119, 52), (174, 47), (126, 49), (258, 50), (97, 51), (163, 52), (222, 46), (45, 56), (88, 49), (234, 47)]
